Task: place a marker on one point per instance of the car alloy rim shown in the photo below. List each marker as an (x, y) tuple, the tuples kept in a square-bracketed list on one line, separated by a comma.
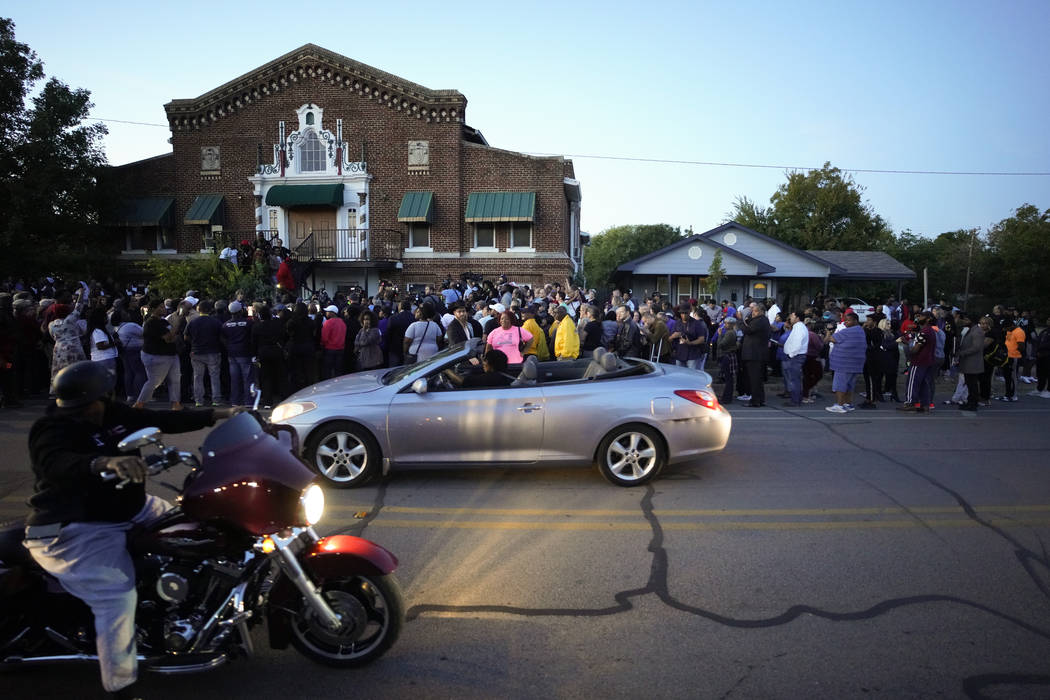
[(341, 457), (631, 456)]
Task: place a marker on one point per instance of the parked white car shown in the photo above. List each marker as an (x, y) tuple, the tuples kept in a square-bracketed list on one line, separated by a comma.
[(859, 306)]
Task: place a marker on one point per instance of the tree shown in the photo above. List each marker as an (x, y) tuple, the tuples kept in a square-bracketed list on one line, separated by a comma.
[(214, 278), (49, 166), (819, 210), (715, 274), (1021, 256), (620, 244)]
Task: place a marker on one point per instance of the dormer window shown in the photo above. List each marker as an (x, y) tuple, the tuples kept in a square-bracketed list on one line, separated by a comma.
[(311, 153), (309, 118)]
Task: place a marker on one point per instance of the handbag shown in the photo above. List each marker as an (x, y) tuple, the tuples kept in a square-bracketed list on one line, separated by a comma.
[(996, 355)]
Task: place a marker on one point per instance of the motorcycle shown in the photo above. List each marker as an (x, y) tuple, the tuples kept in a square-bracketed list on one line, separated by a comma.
[(239, 548)]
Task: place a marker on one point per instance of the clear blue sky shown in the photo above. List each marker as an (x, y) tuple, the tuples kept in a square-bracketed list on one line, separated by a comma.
[(918, 85)]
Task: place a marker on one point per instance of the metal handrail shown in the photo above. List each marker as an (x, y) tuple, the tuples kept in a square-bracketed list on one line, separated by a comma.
[(347, 244)]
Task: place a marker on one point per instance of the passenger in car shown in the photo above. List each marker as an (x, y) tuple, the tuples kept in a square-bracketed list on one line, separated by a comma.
[(493, 365)]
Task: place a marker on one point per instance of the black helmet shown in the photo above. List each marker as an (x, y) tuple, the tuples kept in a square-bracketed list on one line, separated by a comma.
[(83, 382)]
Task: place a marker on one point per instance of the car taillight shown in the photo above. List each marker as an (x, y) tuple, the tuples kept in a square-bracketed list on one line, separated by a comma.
[(699, 396)]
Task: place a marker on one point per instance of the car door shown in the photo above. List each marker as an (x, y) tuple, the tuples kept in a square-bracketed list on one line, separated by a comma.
[(501, 425)]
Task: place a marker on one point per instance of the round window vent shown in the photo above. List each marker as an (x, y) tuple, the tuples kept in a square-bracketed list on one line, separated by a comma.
[(695, 252), (729, 238)]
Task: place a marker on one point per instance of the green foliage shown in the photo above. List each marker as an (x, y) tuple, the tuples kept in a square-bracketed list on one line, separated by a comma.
[(1020, 250), (49, 163), (214, 278), (715, 274), (620, 244), (819, 210)]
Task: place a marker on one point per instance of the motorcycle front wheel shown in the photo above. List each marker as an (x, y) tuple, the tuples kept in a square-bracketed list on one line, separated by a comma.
[(372, 612)]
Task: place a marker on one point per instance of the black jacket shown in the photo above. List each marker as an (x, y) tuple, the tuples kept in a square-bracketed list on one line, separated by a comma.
[(62, 447), (756, 339), (456, 333)]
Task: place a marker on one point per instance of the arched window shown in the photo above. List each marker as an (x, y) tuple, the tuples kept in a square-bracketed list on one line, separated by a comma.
[(311, 153), (309, 118)]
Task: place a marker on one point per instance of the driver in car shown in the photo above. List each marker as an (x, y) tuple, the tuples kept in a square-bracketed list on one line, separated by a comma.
[(79, 522), (493, 365)]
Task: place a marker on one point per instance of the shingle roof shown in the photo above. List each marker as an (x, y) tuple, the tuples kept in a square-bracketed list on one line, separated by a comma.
[(865, 264), (761, 267)]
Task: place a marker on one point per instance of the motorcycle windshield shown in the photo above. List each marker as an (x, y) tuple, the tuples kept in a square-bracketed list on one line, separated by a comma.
[(242, 429)]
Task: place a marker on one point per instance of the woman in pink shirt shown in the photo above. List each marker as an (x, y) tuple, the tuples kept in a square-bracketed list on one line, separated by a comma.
[(508, 338)]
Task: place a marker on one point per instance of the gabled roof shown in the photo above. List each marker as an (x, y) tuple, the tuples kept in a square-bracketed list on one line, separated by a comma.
[(760, 267), (835, 269), (865, 264), (311, 62)]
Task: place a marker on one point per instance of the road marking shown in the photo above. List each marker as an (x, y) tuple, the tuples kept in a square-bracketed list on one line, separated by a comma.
[(888, 510), (642, 526)]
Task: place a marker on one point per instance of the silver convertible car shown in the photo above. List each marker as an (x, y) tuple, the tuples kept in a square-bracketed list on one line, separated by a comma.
[(628, 416)]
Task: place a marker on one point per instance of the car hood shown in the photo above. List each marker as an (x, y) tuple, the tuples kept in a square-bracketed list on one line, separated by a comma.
[(356, 383)]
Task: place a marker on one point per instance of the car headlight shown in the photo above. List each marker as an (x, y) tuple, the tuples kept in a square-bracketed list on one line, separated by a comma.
[(291, 410), (312, 502)]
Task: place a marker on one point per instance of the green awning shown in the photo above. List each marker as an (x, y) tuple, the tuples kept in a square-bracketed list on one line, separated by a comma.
[(501, 206), (416, 207), (205, 210), (144, 211), (305, 195)]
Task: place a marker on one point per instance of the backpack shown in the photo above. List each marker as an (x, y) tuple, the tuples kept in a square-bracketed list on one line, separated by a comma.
[(996, 355)]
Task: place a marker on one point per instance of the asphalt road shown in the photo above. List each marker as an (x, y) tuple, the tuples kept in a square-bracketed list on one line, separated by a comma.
[(868, 555)]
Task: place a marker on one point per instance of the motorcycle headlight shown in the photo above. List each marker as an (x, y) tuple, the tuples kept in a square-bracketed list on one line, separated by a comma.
[(291, 410), (312, 502)]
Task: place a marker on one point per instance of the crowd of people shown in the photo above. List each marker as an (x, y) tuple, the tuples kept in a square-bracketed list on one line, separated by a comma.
[(210, 351)]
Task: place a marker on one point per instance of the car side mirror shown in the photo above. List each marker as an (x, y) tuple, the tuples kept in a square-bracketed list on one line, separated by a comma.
[(139, 438), (420, 386)]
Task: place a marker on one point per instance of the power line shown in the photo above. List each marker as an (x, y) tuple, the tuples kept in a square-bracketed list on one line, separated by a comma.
[(721, 165), (795, 167)]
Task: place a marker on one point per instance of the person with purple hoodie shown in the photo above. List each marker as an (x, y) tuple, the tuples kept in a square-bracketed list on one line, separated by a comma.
[(846, 361)]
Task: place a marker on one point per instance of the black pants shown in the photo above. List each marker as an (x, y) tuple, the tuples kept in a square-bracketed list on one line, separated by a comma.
[(1009, 371), (973, 382), (1042, 369), (272, 376), (753, 370), (728, 363), (986, 382), (812, 371)]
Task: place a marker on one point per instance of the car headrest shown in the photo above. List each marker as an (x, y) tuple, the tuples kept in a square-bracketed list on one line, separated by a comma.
[(610, 362), (530, 370), (599, 352)]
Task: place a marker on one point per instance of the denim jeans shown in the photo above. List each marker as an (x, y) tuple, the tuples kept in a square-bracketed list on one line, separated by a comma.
[(793, 376), (134, 372), (240, 381), (696, 363), (206, 362), (159, 368)]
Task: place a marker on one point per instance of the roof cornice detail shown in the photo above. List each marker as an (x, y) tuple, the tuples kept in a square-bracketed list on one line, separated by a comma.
[(311, 62)]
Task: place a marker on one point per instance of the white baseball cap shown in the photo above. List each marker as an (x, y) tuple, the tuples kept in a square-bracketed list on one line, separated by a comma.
[(332, 308)]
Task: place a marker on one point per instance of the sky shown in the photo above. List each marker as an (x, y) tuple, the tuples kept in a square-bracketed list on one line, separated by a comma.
[(922, 85)]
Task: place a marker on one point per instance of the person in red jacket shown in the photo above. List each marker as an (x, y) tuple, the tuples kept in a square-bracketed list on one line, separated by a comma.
[(285, 278), (333, 342)]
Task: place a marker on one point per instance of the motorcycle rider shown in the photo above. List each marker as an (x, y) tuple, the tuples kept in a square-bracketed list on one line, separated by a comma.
[(79, 522)]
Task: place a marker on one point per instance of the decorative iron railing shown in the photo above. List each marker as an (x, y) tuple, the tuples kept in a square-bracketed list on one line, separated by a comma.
[(344, 245)]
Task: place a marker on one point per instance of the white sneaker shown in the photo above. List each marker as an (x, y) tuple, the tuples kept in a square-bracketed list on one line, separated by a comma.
[(848, 406), (835, 408), (1036, 392), (1045, 394), (744, 397)]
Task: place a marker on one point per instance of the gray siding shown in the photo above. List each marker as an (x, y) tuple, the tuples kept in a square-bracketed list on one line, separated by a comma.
[(678, 262), (786, 262)]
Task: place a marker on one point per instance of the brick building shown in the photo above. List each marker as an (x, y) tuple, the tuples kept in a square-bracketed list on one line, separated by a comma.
[(363, 173)]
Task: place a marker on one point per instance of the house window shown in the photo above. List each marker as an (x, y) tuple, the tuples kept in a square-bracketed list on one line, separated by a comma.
[(685, 289), (484, 235), (521, 235), (311, 153), (150, 238), (418, 235), (662, 285)]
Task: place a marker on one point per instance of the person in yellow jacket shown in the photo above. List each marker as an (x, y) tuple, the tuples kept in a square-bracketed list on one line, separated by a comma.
[(538, 345), (566, 340)]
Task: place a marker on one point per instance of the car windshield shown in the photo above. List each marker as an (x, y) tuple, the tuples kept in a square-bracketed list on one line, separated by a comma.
[(398, 373)]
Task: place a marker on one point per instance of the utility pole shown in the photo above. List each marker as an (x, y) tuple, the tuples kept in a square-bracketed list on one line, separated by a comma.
[(969, 261)]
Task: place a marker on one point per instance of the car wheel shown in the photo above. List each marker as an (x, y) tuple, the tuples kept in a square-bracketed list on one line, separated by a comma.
[(631, 455), (344, 453)]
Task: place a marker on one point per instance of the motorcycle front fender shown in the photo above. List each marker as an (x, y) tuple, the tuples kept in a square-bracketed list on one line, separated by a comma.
[(330, 558)]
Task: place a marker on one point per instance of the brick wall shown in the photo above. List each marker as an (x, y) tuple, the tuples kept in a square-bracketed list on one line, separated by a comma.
[(243, 117)]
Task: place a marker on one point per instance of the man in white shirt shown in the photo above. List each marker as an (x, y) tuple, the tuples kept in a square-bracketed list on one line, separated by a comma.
[(772, 311), (795, 355)]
